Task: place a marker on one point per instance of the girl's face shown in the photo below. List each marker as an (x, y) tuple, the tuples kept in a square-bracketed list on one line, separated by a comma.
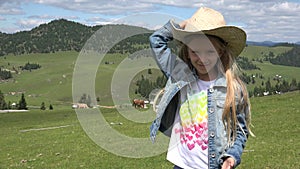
[(204, 55)]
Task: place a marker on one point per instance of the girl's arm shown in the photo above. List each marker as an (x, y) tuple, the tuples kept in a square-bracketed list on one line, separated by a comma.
[(235, 151), (162, 53)]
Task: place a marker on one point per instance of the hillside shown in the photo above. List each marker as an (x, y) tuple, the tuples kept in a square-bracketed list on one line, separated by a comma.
[(57, 35), (52, 83), (289, 58), (65, 35), (55, 47)]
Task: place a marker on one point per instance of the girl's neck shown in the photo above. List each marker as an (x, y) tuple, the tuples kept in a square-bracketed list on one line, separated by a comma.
[(209, 76)]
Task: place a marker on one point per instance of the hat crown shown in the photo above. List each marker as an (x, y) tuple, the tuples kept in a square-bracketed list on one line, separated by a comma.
[(205, 19), (210, 22)]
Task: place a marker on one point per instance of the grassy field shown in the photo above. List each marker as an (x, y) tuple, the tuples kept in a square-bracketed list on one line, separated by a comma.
[(55, 139), (276, 126), (52, 83), (276, 145)]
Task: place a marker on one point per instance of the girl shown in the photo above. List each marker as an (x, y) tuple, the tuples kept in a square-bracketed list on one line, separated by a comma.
[(205, 107)]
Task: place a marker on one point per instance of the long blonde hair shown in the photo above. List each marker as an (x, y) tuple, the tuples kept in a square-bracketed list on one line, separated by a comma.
[(228, 67)]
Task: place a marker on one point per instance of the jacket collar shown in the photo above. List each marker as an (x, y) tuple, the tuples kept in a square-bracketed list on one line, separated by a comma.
[(221, 81)]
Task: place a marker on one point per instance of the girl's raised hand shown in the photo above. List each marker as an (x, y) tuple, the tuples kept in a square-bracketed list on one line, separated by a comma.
[(228, 163), (182, 24)]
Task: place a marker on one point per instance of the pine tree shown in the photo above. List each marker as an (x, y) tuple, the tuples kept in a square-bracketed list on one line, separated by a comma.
[(43, 107), (50, 107), (268, 85), (89, 101), (293, 85), (9, 105), (2, 101), (83, 98), (22, 103)]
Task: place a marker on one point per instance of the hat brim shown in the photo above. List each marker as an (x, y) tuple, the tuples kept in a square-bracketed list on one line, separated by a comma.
[(234, 37)]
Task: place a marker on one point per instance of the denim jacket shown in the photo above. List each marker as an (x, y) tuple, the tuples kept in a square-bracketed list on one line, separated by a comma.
[(179, 75)]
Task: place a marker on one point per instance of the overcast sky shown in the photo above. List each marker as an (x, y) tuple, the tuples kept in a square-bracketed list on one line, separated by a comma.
[(263, 20)]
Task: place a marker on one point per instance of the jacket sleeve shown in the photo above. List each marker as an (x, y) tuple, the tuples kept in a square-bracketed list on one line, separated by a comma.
[(235, 151), (161, 52)]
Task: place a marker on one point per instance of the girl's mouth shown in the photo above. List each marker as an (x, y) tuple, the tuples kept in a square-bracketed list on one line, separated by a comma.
[(203, 64)]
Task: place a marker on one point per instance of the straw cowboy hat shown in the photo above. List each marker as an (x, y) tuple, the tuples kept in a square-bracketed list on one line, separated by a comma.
[(210, 22)]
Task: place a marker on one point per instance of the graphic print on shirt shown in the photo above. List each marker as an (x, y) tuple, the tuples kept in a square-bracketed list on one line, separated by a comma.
[(193, 114)]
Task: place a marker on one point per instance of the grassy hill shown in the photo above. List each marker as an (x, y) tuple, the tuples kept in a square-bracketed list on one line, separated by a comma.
[(258, 52), (39, 139), (52, 83), (55, 139), (60, 35)]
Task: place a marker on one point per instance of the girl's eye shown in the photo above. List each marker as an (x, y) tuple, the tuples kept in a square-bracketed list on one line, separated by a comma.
[(211, 52), (194, 53), (204, 53)]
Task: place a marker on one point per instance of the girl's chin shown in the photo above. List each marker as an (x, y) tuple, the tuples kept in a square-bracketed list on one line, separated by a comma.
[(202, 69), (202, 72)]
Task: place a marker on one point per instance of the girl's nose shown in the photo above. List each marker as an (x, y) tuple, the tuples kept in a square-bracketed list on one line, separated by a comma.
[(202, 56)]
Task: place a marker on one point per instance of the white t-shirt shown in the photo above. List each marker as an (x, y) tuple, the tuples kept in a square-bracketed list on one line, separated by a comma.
[(188, 147)]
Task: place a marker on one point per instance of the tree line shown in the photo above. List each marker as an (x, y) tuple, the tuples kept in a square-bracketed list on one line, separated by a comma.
[(30, 66), (245, 64), (289, 58), (277, 85), (21, 105), (281, 86), (4, 74), (145, 86)]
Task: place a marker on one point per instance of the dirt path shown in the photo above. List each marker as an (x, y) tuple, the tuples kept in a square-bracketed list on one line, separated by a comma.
[(45, 128)]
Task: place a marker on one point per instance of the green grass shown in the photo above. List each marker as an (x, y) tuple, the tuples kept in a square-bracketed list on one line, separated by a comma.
[(67, 147), (276, 126), (52, 83), (276, 145), (275, 118)]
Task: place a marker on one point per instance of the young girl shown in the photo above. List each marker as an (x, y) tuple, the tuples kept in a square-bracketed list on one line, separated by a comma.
[(205, 107)]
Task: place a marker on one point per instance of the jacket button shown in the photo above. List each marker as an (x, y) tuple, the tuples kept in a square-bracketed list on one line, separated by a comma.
[(212, 134), (213, 155), (211, 110), (211, 90)]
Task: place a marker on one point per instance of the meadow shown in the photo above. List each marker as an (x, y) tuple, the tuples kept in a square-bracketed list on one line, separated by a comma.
[(56, 139), (276, 145), (52, 84)]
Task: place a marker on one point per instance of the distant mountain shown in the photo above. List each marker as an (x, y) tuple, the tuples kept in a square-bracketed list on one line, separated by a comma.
[(271, 44), (264, 43), (57, 35)]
